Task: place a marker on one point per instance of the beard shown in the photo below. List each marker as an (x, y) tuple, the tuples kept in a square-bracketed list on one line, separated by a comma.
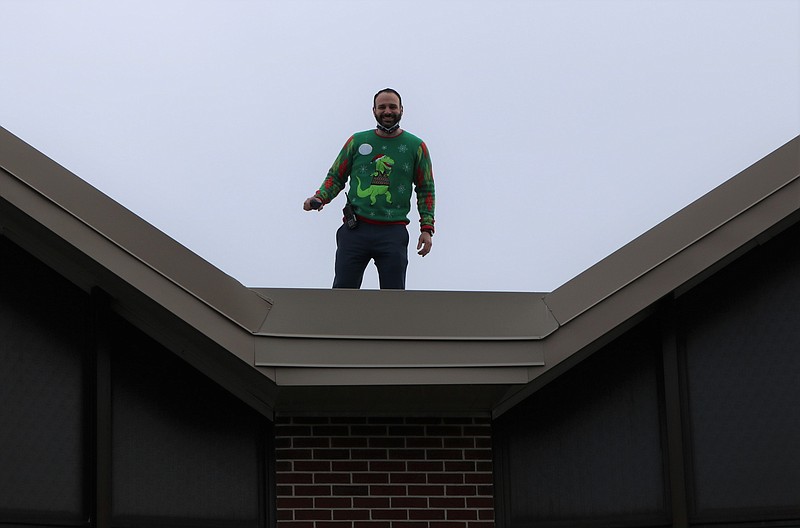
[(388, 121)]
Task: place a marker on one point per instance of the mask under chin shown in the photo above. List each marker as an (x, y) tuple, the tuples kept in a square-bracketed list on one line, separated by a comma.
[(390, 129)]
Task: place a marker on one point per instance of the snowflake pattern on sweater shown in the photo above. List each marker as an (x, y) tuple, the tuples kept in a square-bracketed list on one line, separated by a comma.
[(382, 171)]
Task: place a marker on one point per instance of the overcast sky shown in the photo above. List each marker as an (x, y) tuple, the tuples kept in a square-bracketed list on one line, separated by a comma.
[(559, 130)]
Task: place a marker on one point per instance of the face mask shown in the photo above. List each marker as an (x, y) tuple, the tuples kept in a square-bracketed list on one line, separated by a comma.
[(390, 129)]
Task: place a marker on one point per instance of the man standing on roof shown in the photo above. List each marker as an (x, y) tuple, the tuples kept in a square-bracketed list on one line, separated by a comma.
[(382, 164)]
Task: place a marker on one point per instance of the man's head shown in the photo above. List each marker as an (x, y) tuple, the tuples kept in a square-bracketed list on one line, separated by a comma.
[(387, 107)]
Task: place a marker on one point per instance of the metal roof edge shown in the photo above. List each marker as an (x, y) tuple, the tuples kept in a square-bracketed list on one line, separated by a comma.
[(130, 234), (689, 227), (735, 217)]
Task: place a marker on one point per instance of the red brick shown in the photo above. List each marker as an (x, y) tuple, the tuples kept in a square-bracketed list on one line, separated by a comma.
[(368, 430), (285, 515), (444, 454), (486, 490), (297, 524), (390, 491), (480, 524), (380, 465), (312, 515), (370, 478), (294, 503), (445, 478), (333, 502), (477, 454), (283, 465), (408, 478), (409, 524), (349, 465), (351, 515), (426, 466), (331, 454), (477, 430), (310, 420), (389, 441), (446, 502), (407, 454), (406, 430), (332, 524), (331, 430), (348, 442), (312, 491), (461, 490), (409, 502), (426, 491), (478, 478), (283, 443), (293, 454), (371, 524), (368, 454), (448, 524), (462, 515), (460, 443), (424, 442), (350, 491), (371, 502), (312, 465), (443, 430), (332, 478), (480, 502), (485, 443), (483, 467), (310, 442), (463, 466), (398, 515), (428, 514), (486, 515)]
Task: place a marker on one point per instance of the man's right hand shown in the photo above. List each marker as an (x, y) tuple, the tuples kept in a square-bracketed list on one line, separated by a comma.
[(307, 205)]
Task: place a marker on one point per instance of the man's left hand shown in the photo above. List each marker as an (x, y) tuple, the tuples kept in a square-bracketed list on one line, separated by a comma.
[(425, 243)]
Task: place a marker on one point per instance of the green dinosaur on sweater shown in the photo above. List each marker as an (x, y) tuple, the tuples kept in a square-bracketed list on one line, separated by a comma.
[(380, 180)]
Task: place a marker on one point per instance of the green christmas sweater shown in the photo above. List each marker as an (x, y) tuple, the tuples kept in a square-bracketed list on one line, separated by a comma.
[(382, 172)]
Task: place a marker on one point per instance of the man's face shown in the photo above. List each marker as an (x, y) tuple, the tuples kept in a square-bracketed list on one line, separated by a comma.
[(387, 109)]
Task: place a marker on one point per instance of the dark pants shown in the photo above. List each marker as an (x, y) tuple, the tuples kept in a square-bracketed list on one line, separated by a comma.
[(387, 244)]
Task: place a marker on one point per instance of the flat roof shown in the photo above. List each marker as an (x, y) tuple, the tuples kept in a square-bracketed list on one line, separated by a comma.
[(377, 351)]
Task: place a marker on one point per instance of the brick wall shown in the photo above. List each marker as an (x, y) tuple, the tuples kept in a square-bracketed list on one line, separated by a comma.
[(384, 473)]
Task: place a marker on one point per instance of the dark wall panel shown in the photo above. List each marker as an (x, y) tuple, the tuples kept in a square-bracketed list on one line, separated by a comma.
[(742, 349), (43, 326), (587, 448), (184, 450)]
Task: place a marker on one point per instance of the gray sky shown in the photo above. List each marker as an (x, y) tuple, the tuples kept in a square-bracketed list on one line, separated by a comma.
[(559, 130)]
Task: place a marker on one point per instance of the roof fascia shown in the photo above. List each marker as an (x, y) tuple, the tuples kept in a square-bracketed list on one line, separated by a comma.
[(692, 227), (612, 296), (41, 187)]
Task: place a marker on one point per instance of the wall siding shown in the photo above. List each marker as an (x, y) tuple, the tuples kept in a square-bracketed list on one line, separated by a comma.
[(384, 472)]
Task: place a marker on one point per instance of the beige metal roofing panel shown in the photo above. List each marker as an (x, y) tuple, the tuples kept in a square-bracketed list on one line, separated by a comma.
[(399, 353), (399, 315), (311, 377)]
